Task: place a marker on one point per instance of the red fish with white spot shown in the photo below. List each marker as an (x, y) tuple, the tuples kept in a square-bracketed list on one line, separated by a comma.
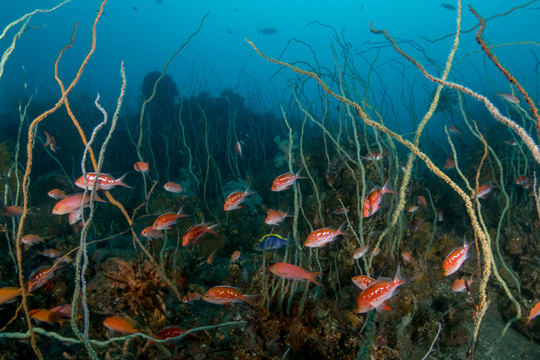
[(195, 232), (363, 281), (455, 259), (321, 237), (42, 275), (285, 181), (293, 272), (167, 220), (104, 181), (275, 217), (223, 295), (372, 204), (236, 198), (378, 293), (482, 191), (374, 156)]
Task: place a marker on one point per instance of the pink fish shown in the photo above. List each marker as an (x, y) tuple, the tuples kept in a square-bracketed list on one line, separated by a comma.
[(173, 187), (150, 233), (374, 156), (104, 182), (191, 297), (235, 256), (361, 251), (293, 272), (378, 293), (285, 181), (57, 194), (75, 216), (363, 281), (50, 142), (31, 239), (454, 129), (482, 191), (195, 232), (460, 286), (511, 98), (373, 201), (340, 210), (321, 237), (407, 257), (42, 275), (450, 162), (167, 220), (72, 203)]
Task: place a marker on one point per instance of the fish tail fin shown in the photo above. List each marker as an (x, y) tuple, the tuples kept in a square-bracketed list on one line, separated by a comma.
[(398, 276), (387, 189), (313, 277), (249, 299), (120, 181), (341, 231), (298, 176)]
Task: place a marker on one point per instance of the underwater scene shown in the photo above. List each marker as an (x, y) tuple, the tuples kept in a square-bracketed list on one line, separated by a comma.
[(269, 180)]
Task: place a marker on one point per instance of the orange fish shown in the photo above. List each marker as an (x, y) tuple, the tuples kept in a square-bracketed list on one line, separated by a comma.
[(482, 191), (46, 316), (450, 162), (378, 293), (210, 258), (454, 129), (141, 166), (167, 220), (235, 256), (422, 201), (191, 297), (12, 211), (275, 217), (523, 181), (195, 232), (122, 325), (50, 142), (173, 187), (50, 253), (105, 181), (31, 239), (374, 156), (459, 285), (321, 237), (9, 294), (407, 257), (413, 208), (293, 272), (150, 233), (285, 181), (363, 281), (455, 259), (535, 311), (170, 332), (75, 216), (361, 251), (72, 203), (42, 275), (57, 194), (222, 295), (372, 204), (235, 199)]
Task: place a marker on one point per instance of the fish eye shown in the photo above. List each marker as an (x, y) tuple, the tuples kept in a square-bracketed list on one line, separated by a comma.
[(360, 308)]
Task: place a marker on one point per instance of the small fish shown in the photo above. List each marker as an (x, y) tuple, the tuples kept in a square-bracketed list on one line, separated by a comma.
[(141, 166), (62, 310), (195, 232), (167, 220), (275, 217), (448, 7), (511, 142), (50, 253), (416, 225), (324, 236), (372, 204), (42, 275), (535, 311), (46, 316), (455, 259), (9, 294), (57, 194), (523, 180), (422, 201), (450, 162), (508, 97), (363, 281), (285, 181), (122, 325), (440, 216), (75, 216), (268, 31), (270, 242), (235, 256), (50, 142), (341, 210), (376, 252), (222, 295), (236, 198), (150, 233), (12, 211), (460, 286), (482, 191), (173, 187), (378, 293), (360, 252), (454, 129), (104, 182), (210, 259), (238, 147), (31, 239), (374, 156), (191, 297), (413, 208), (407, 257), (73, 202), (293, 272), (134, 8), (169, 332)]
